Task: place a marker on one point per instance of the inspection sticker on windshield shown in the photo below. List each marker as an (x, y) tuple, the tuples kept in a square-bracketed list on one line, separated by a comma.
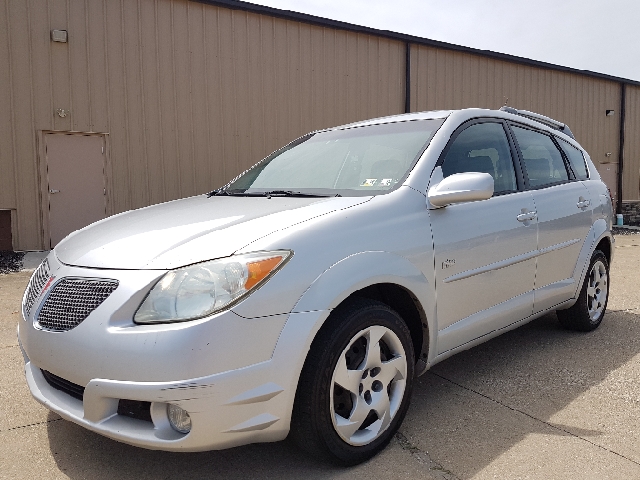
[(369, 182), (385, 182)]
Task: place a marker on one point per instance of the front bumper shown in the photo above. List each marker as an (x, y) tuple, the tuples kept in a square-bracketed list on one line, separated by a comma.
[(247, 405), (236, 377)]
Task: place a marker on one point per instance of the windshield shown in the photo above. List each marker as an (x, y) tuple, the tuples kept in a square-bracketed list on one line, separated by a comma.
[(349, 162)]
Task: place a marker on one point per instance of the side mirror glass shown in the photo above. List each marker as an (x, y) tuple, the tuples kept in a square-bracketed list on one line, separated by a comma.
[(461, 187)]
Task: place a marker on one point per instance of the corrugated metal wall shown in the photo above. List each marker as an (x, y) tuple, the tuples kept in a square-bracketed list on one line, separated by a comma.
[(444, 79), (190, 94), (631, 166)]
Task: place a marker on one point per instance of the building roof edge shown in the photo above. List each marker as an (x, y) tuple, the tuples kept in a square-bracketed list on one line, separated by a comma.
[(327, 22)]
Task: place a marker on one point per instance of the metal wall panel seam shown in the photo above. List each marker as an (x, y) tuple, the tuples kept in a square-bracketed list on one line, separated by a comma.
[(192, 158), (123, 59), (162, 172), (88, 53), (70, 69), (220, 96), (110, 201), (205, 51), (149, 174), (175, 101), (407, 79)]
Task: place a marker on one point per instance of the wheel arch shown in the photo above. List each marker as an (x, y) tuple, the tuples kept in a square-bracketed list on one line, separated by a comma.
[(408, 307), (382, 276), (599, 236), (604, 245)]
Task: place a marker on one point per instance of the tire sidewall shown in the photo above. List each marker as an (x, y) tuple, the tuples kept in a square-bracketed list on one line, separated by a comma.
[(355, 322)]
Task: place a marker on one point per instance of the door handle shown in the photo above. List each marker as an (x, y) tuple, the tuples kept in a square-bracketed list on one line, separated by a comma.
[(527, 216), (52, 191), (583, 203)]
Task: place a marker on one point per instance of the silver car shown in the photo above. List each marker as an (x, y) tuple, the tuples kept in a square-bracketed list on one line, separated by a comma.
[(305, 296)]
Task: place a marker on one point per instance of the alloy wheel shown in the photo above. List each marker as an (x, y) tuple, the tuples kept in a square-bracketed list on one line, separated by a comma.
[(597, 290), (368, 385)]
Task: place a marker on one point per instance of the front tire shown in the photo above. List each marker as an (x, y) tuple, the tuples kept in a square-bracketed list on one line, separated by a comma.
[(355, 386), (587, 313)]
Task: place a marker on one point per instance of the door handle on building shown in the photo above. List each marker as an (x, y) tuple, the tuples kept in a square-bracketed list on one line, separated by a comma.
[(52, 191)]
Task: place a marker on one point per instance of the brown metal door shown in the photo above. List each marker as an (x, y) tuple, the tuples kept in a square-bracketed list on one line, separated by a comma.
[(609, 174), (76, 186)]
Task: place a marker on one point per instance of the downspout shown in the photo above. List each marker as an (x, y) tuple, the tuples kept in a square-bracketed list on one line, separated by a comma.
[(407, 79), (623, 103)]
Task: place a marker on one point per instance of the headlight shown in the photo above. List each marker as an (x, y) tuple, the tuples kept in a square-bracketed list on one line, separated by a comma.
[(200, 290)]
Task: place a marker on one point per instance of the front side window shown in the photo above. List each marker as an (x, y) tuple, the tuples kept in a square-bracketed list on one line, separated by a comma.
[(484, 148), (354, 161), (576, 160), (542, 159)]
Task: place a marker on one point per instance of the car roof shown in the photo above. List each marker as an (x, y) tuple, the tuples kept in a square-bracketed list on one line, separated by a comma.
[(460, 116)]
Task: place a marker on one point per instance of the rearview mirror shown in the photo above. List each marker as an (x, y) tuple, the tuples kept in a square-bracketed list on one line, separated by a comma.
[(461, 187)]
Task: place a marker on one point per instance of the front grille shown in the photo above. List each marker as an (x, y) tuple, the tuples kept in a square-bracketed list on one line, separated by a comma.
[(135, 409), (72, 300), (38, 280), (76, 391)]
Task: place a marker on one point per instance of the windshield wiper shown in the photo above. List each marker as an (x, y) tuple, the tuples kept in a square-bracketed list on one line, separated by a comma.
[(269, 194), (290, 193), (218, 191)]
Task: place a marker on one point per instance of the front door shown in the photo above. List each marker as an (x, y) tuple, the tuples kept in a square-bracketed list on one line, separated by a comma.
[(484, 251), (75, 182)]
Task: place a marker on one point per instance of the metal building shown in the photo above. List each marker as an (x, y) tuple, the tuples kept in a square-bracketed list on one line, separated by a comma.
[(110, 105)]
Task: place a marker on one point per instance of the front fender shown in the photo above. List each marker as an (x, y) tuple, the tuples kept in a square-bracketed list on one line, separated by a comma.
[(356, 272), (361, 270)]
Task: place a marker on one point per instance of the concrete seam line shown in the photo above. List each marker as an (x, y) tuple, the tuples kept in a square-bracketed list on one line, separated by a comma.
[(534, 418), (9, 346), (424, 458), (31, 425)]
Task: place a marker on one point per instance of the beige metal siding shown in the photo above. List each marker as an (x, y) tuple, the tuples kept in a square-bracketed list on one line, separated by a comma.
[(190, 94), (18, 146), (631, 166), (444, 79)]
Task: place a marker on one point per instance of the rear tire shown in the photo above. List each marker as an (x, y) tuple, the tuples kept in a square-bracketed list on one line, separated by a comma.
[(355, 386), (588, 311)]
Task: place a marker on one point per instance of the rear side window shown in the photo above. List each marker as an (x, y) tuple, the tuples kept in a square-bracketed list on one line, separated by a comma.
[(576, 160), (542, 159), (484, 148)]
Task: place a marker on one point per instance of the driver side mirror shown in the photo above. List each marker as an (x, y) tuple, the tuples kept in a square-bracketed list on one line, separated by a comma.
[(461, 187)]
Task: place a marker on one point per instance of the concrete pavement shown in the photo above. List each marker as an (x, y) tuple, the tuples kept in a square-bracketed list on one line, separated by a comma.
[(538, 402)]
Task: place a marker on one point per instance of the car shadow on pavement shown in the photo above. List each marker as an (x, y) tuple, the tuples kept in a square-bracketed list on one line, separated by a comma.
[(465, 412)]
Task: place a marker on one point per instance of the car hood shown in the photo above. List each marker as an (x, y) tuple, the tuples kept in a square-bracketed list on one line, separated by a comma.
[(187, 231)]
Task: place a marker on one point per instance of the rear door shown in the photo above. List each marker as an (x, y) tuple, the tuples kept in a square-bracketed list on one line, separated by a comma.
[(484, 251), (564, 207)]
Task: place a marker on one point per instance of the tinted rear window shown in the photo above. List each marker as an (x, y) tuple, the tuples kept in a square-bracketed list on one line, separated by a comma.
[(576, 160)]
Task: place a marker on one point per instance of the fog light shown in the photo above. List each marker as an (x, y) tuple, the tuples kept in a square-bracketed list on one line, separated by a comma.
[(179, 418)]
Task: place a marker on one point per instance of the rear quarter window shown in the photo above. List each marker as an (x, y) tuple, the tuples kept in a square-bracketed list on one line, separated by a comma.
[(576, 160)]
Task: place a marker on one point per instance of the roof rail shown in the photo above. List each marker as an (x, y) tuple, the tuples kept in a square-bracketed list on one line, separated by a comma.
[(549, 122)]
